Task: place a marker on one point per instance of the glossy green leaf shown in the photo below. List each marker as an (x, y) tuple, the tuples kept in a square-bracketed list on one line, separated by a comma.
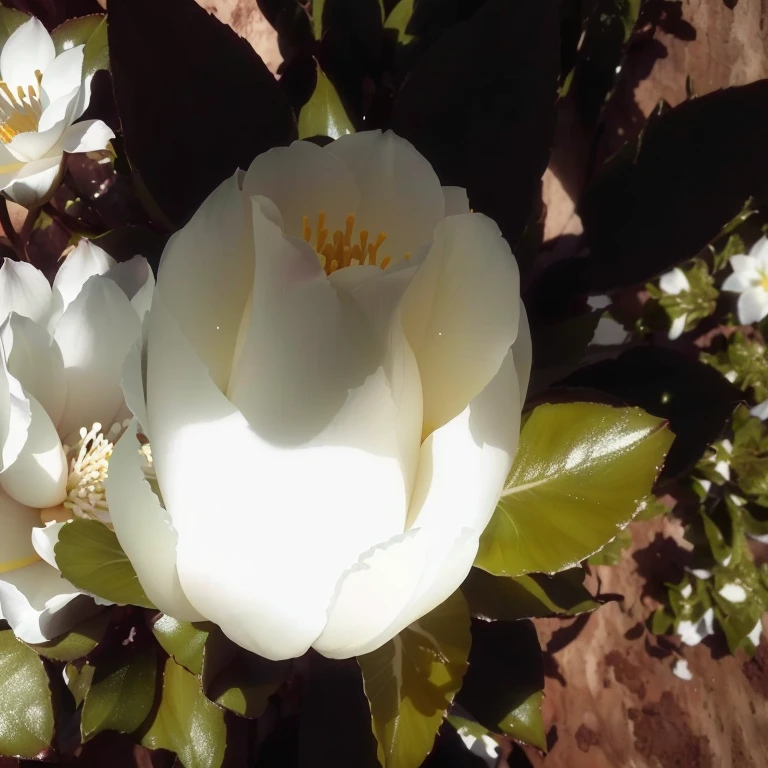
[(525, 723), (186, 722), (410, 682), (77, 643), (579, 476), (10, 21), (121, 693), (399, 19), (184, 641), (79, 681), (324, 114), (90, 556), (26, 711), (90, 31), (238, 680), (534, 596)]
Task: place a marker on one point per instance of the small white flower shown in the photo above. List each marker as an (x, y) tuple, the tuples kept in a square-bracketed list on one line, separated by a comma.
[(674, 283), (41, 96), (681, 670), (692, 633), (687, 591), (757, 631), (750, 279), (61, 355), (733, 593), (701, 573)]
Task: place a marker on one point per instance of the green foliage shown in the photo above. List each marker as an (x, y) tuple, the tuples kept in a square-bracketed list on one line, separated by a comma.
[(184, 641), (410, 682), (90, 31), (580, 474), (399, 19), (743, 361), (26, 711), (90, 556), (532, 596), (121, 692), (324, 114), (186, 722), (10, 21), (749, 458), (78, 642)]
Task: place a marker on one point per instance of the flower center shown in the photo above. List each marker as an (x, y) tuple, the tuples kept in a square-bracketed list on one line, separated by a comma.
[(338, 250), (19, 112), (763, 281)]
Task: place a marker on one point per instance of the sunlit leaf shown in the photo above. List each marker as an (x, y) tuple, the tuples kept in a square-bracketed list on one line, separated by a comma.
[(182, 640), (90, 31), (579, 476), (324, 114)]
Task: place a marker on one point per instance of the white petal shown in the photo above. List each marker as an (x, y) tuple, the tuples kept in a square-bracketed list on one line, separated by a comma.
[(44, 541), (461, 314), (16, 522), (144, 530), (24, 289), (733, 593), (95, 335), (34, 358), (39, 604), (303, 180), (462, 470), (757, 631), (15, 414), (36, 181), (692, 633), (44, 142), (38, 477), (522, 350), (742, 263), (137, 282), (29, 48), (400, 192), (86, 260), (760, 410), (206, 275), (64, 74), (752, 306), (132, 383), (456, 201), (677, 327), (674, 282), (681, 670), (86, 136), (759, 252), (741, 281)]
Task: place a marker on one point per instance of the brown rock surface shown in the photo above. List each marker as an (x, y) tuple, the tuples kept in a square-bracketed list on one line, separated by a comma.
[(611, 698)]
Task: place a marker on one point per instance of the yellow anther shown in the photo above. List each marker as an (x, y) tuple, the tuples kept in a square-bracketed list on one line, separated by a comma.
[(385, 262), (306, 230)]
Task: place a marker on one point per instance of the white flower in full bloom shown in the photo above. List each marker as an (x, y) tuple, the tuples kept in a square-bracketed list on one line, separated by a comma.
[(61, 352), (41, 96), (336, 361), (674, 283), (750, 279)]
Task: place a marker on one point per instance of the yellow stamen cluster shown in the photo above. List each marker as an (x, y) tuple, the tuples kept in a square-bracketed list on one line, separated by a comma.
[(19, 112), (337, 250)]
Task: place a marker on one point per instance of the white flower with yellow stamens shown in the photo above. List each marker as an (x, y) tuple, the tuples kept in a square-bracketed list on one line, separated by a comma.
[(750, 280), (61, 353), (41, 96), (336, 360)]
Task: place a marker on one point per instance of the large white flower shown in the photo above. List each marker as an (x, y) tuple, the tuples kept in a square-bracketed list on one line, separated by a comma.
[(750, 279), (330, 397), (61, 352), (41, 95)]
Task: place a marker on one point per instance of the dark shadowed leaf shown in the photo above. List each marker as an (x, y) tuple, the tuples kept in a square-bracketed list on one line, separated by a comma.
[(674, 387), (78, 642), (580, 474), (26, 712), (410, 682), (480, 106), (525, 597), (502, 688), (196, 101), (694, 168), (53, 12)]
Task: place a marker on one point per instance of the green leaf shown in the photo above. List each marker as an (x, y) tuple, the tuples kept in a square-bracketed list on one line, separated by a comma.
[(238, 680), (26, 711), (121, 693), (534, 596), (77, 643), (186, 722), (90, 31), (324, 114), (525, 723), (399, 20), (317, 18), (90, 556), (410, 682), (184, 641), (10, 21), (79, 681), (579, 476)]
